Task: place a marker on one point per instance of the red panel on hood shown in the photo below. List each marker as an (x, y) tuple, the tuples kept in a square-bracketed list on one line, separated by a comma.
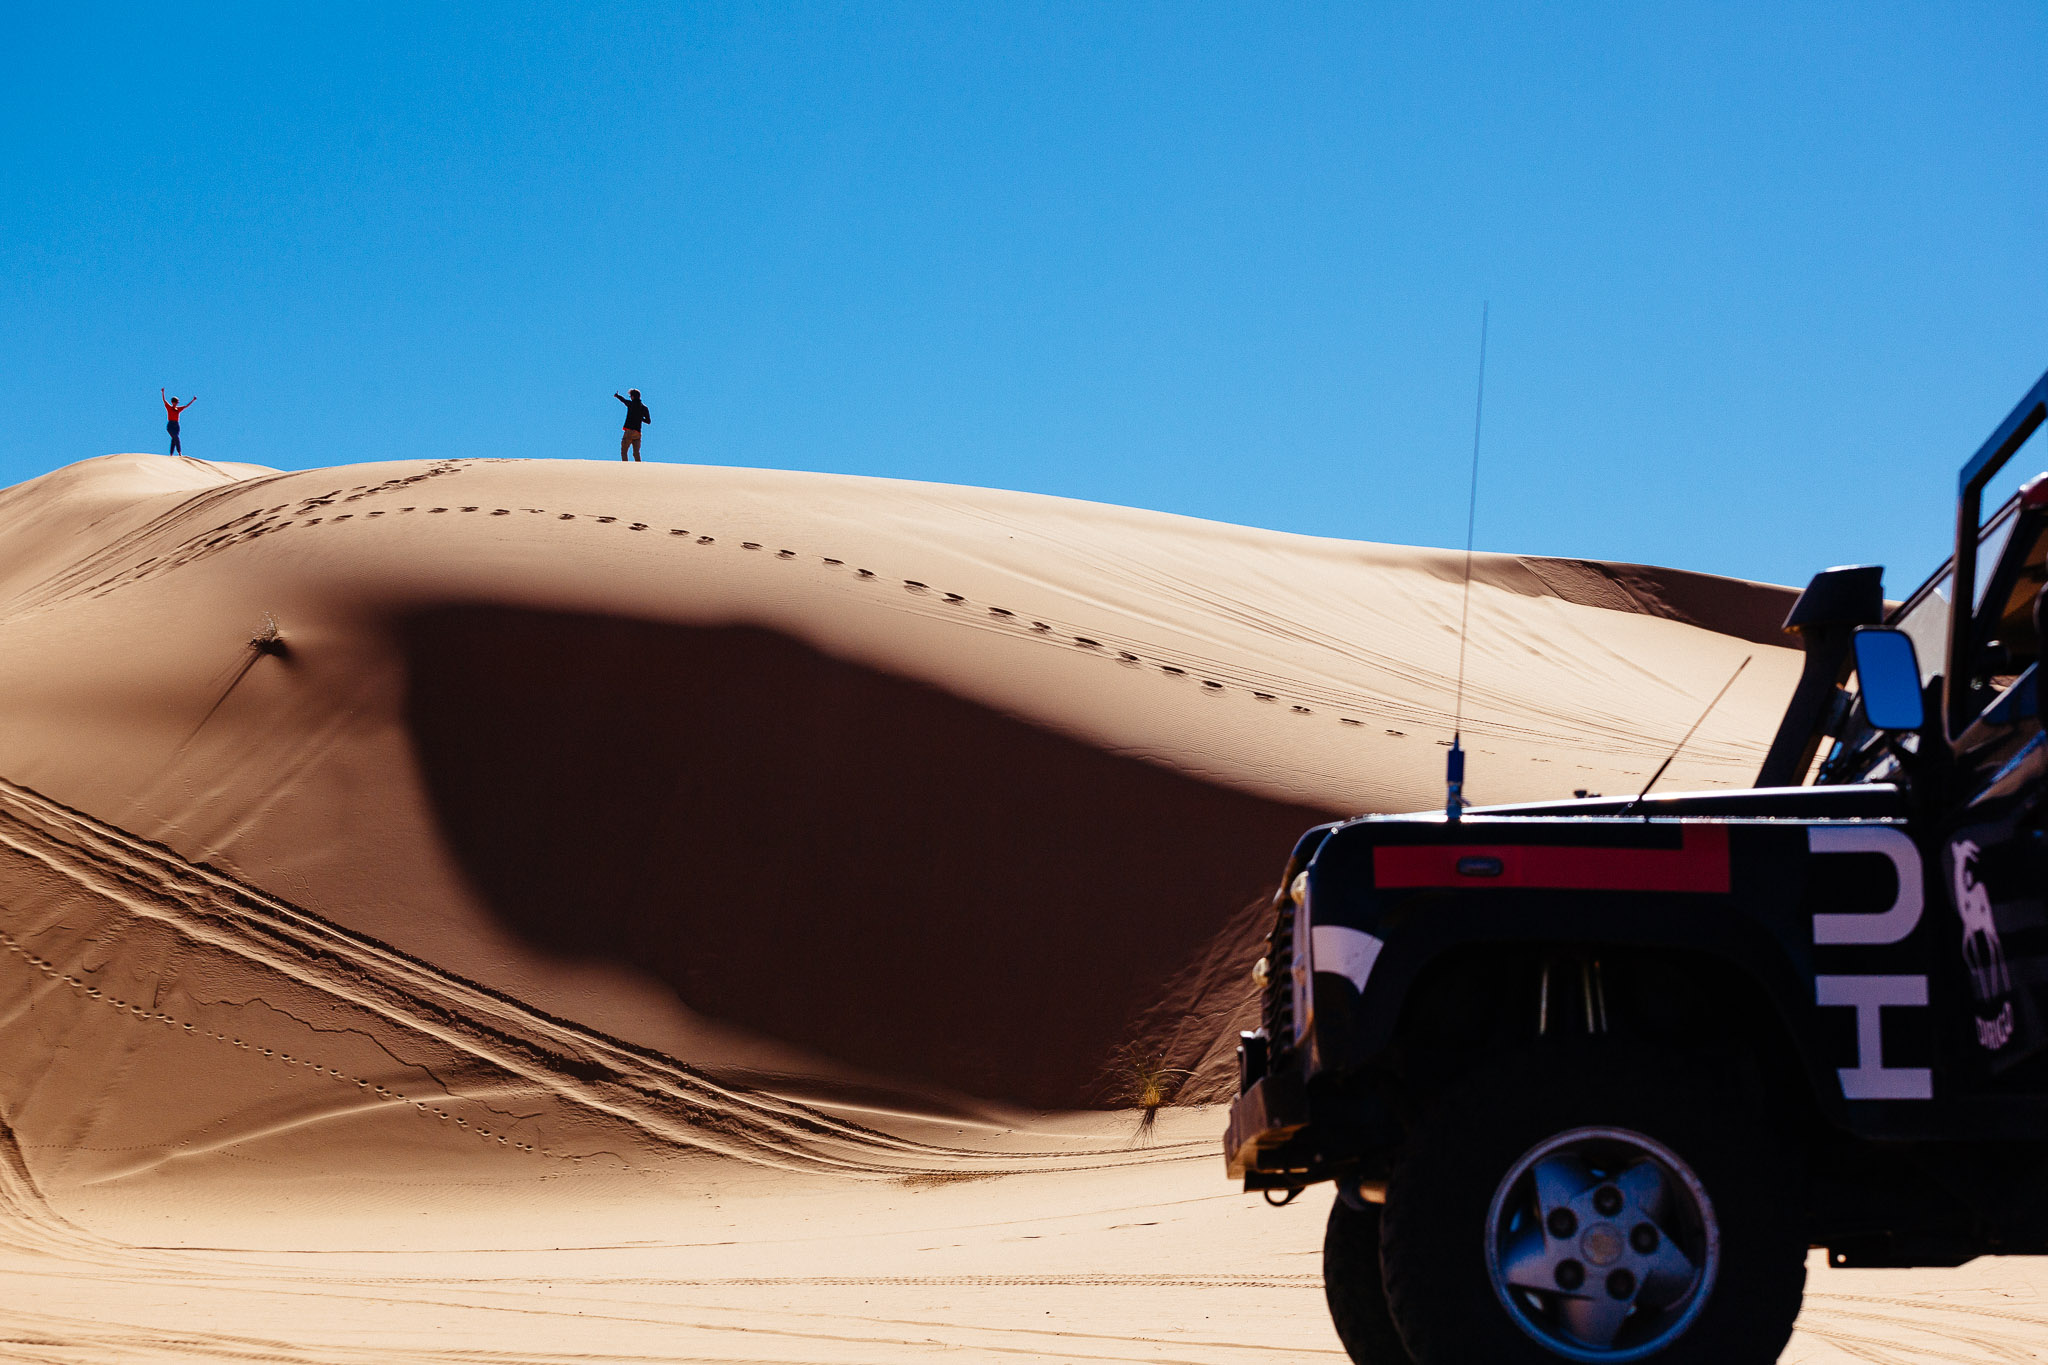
[(1700, 863)]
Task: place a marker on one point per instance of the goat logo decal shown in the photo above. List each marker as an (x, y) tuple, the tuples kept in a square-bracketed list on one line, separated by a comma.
[(1983, 954)]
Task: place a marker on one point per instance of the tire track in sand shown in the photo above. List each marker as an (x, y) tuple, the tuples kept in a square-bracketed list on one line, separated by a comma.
[(658, 1102), (1898, 1330)]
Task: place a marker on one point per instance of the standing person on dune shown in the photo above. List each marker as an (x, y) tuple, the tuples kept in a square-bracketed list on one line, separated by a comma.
[(636, 417), (172, 407)]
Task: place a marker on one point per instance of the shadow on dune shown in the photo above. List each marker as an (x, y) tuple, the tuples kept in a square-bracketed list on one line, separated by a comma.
[(852, 861)]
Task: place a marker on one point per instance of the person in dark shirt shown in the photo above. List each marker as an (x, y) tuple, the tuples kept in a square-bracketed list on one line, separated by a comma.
[(172, 409), (636, 417)]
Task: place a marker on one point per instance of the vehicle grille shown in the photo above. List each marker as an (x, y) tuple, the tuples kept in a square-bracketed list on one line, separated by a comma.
[(1277, 1010)]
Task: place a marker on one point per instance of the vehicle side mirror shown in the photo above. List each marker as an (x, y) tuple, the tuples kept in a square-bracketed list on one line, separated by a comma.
[(1890, 675)]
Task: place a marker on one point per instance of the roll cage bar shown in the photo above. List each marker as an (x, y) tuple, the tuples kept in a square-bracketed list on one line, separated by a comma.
[(1991, 457)]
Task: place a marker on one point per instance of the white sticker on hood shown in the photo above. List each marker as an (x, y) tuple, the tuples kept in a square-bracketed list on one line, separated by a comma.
[(1350, 953)]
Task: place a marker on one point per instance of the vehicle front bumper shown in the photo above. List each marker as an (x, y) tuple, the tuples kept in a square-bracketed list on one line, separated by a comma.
[(1263, 1123)]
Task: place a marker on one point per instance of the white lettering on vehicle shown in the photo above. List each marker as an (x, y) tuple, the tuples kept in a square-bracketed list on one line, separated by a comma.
[(1995, 1033), (1870, 1078), (1887, 926)]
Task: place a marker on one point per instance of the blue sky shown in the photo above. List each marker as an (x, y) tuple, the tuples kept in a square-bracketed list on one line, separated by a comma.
[(1761, 276)]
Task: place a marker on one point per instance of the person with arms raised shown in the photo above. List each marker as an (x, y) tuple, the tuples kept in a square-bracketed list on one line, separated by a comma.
[(172, 407), (636, 417)]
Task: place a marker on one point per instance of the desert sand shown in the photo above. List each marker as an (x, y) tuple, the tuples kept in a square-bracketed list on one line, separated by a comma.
[(540, 910)]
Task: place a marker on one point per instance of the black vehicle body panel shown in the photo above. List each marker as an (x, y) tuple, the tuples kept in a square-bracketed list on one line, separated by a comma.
[(1873, 948), (1760, 923)]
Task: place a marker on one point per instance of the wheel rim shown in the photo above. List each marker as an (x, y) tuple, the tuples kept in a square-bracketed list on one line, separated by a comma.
[(1602, 1244)]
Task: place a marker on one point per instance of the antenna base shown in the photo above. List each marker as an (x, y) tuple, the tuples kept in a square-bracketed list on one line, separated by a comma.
[(1454, 780)]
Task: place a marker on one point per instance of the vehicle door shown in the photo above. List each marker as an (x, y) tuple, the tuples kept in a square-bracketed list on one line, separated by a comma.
[(1992, 860)]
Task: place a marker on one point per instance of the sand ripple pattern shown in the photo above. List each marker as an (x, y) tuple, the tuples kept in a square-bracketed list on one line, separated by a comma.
[(1915, 1329), (488, 1047)]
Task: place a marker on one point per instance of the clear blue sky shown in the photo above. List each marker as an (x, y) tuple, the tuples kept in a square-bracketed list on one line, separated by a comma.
[(1761, 275)]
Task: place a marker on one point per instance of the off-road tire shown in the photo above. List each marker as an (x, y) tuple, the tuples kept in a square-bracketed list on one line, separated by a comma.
[(1440, 1207), (1352, 1284)]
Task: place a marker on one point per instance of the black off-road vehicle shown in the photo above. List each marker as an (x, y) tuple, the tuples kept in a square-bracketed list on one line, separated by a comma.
[(1591, 1077)]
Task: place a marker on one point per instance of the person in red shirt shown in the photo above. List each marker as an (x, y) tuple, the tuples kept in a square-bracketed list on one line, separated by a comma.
[(172, 407)]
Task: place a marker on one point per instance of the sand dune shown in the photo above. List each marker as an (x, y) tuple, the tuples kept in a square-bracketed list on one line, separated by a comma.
[(834, 782), (543, 909)]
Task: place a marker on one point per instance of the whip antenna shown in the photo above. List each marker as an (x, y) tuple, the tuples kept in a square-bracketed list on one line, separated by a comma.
[(1687, 736), (1454, 762)]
